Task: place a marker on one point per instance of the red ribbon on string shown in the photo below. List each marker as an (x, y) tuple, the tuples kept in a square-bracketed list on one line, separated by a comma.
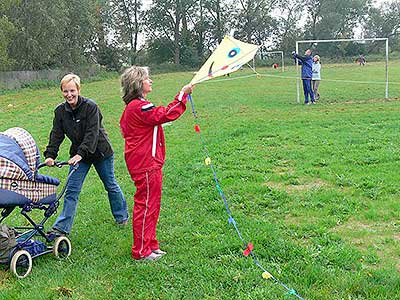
[(249, 248)]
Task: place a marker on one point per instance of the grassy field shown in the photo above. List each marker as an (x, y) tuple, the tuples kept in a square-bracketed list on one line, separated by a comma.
[(314, 188)]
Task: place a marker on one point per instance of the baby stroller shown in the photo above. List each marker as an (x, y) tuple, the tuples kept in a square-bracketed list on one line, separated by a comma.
[(22, 186)]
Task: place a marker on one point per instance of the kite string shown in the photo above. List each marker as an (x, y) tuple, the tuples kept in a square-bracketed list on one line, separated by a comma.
[(249, 246), (253, 69), (295, 77)]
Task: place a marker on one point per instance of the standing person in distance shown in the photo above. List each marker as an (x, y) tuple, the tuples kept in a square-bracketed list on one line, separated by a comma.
[(361, 60), (80, 119), (306, 63), (316, 76), (145, 154)]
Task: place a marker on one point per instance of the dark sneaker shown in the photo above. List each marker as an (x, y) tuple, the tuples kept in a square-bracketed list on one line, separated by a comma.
[(122, 223), (54, 233)]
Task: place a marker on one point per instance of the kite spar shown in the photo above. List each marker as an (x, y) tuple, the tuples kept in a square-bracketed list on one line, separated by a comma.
[(229, 57)]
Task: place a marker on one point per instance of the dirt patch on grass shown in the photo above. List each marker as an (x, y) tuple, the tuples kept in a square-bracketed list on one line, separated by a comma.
[(367, 101), (283, 170), (296, 220), (383, 237), (293, 188)]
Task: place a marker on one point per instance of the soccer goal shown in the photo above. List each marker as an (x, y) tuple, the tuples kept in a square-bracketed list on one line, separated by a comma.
[(346, 46), (274, 59)]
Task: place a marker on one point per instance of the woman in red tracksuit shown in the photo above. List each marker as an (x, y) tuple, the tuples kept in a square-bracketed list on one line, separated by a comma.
[(145, 154)]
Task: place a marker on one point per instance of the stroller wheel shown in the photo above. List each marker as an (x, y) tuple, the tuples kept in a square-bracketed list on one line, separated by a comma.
[(62, 247), (21, 263)]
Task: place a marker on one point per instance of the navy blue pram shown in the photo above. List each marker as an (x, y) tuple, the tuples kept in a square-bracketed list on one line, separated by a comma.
[(22, 186)]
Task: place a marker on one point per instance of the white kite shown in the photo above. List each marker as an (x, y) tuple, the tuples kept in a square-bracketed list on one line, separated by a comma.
[(229, 57)]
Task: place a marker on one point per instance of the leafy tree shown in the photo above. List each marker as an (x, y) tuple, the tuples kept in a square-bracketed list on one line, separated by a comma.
[(168, 21), (160, 51), (218, 14), (80, 31), (254, 21), (333, 19), (52, 33), (7, 32), (162, 24), (103, 53), (385, 22), (44, 34), (288, 25), (124, 22), (211, 20)]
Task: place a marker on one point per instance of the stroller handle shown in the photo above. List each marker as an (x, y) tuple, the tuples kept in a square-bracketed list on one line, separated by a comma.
[(58, 164)]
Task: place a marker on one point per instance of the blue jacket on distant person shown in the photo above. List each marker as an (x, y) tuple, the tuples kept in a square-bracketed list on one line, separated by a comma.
[(306, 63)]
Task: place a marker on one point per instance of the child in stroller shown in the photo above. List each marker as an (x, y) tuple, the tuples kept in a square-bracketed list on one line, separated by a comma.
[(22, 186)]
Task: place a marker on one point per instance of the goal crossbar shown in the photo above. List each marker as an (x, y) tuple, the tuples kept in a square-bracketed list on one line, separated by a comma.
[(282, 58), (273, 52), (344, 40)]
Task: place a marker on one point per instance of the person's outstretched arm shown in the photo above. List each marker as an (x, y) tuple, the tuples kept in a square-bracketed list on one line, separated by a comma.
[(152, 115), (55, 139)]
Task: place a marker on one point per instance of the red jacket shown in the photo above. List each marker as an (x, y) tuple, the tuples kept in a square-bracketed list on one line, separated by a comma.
[(144, 136)]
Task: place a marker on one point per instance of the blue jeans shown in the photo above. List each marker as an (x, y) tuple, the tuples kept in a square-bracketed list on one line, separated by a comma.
[(307, 90), (105, 169)]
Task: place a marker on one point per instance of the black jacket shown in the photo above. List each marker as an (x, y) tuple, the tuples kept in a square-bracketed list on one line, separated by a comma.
[(83, 126)]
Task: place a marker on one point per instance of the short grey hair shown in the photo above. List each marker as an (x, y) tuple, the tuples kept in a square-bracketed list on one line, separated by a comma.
[(132, 82)]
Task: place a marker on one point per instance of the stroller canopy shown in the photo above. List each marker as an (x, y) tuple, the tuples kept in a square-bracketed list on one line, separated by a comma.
[(17, 147)]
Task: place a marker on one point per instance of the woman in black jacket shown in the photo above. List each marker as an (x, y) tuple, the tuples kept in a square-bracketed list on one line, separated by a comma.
[(80, 119)]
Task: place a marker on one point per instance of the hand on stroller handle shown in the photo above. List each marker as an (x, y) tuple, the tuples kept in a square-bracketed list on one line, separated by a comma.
[(58, 164)]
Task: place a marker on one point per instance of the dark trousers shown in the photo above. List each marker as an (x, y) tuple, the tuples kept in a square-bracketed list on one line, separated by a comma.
[(308, 90)]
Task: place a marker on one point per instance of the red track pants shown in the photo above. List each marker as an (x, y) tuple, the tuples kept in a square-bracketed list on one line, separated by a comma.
[(146, 210)]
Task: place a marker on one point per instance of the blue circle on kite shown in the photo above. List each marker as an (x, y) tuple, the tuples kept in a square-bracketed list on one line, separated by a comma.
[(233, 52)]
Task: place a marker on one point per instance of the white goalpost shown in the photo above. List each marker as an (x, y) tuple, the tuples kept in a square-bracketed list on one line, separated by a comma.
[(269, 53), (282, 60), (344, 40)]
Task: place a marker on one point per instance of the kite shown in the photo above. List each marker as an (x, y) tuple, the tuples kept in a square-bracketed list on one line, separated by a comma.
[(230, 56)]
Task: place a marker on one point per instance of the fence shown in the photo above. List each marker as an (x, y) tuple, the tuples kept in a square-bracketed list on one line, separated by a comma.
[(17, 79)]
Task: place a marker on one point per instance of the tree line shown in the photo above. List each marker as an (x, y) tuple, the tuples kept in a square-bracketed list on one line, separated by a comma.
[(46, 34)]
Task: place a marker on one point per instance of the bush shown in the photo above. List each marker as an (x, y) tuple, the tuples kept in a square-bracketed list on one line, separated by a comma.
[(167, 68)]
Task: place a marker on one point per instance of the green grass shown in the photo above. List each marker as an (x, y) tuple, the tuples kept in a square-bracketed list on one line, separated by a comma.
[(315, 188)]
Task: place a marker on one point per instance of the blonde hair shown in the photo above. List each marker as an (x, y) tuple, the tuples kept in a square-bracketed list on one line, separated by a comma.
[(71, 77), (132, 82), (317, 57)]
